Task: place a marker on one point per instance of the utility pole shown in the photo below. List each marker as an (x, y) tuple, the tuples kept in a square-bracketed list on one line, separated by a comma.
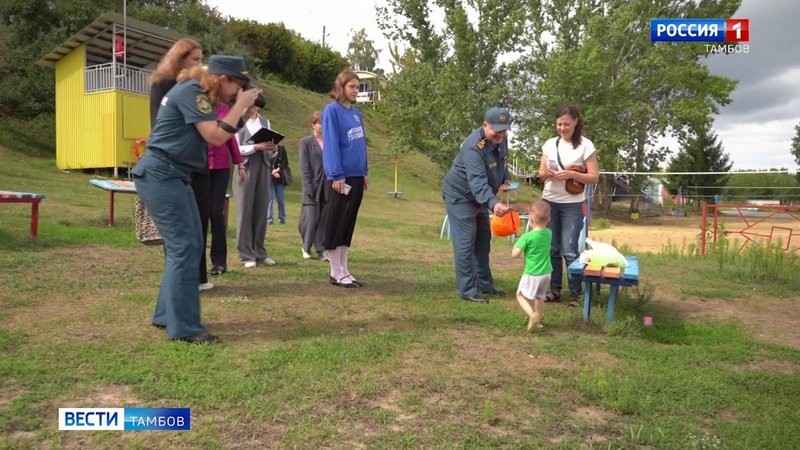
[(323, 35)]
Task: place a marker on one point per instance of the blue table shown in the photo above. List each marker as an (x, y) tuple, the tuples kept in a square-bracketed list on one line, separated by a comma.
[(630, 277), (127, 187), (113, 186)]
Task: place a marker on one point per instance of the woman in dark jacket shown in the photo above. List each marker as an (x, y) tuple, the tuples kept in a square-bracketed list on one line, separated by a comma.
[(280, 179), (312, 197)]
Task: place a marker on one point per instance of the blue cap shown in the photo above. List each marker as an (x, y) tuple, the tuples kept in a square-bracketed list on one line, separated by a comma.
[(229, 65), (499, 118)]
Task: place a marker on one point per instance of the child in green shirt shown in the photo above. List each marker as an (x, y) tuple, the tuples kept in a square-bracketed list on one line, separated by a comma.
[(535, 245)]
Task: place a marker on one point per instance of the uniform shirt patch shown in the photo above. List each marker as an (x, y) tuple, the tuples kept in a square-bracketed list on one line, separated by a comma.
[(492, 165), (203, 103), (480, 144)]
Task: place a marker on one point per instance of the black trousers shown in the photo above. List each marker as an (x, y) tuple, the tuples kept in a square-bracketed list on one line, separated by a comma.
[(219, 232), (201, 185)]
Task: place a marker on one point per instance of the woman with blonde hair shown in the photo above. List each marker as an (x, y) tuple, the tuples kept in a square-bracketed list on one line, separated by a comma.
[(185, 124), (184, 54)]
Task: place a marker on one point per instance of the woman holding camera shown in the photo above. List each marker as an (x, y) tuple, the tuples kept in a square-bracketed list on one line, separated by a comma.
[(177, 147), (568, 161)]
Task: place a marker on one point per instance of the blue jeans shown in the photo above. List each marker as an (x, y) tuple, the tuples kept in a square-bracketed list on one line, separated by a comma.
[(566, 221), (276, 194)]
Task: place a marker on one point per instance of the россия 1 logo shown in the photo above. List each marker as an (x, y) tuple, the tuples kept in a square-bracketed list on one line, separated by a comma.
[(730, 32)]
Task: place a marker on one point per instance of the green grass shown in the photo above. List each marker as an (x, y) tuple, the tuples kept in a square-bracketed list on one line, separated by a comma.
[(400, 363)]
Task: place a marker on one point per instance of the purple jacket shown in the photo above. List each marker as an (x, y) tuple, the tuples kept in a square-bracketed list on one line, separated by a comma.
[(218, 155)]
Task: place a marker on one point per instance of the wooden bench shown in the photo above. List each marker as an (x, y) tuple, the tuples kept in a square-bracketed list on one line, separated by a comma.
[(629, 277), (25, 197)]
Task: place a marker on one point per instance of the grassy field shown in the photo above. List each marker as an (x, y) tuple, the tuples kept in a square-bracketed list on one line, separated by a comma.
[(401, 363)]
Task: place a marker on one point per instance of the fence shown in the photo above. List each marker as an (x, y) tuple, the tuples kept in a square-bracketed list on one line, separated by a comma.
[(118, 77)]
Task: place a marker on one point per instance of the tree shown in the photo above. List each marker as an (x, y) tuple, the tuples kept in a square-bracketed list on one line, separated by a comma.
[(195, 19), (763, 186), (598, 54), (796, 147), (361, 52), (445, 80), (702, 153), (32, 28), (324, 65)]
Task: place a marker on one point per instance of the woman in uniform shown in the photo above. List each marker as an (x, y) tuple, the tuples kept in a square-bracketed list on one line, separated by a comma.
[(185, 123)]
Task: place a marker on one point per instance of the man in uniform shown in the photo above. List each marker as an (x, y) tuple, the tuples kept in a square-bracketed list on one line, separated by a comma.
[(469, 193)]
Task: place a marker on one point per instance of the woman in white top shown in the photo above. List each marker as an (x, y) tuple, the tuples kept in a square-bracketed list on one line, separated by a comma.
[(562, 159), (252, 195)]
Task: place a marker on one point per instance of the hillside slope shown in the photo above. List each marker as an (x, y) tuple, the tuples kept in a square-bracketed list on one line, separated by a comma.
[(28, 154)]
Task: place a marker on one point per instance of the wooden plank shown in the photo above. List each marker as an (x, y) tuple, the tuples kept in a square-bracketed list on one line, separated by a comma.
[(592, 271)]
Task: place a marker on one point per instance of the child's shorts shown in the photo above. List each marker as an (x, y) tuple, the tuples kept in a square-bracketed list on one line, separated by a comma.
[(534, 287)]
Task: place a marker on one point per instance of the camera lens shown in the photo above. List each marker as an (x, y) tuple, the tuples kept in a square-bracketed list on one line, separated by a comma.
[(261, 101)]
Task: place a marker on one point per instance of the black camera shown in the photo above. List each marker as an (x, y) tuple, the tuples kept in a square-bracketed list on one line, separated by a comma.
[(261, 101)]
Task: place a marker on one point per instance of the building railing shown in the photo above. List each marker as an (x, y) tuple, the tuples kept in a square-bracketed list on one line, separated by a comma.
[(368, 96), (112, 76), (520, 169)]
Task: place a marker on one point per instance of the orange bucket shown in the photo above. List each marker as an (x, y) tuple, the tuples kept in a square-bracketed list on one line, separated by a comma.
[(506, 225)]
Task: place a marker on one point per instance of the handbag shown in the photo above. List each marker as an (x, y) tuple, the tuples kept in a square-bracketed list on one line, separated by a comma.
[(574, 187), (146, 230), (286, 176)]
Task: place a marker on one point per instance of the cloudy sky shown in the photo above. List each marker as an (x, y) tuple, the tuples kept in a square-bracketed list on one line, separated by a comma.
[(756, 129), (758, 126)]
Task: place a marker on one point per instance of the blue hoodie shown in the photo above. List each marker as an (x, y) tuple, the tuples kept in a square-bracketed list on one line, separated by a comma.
[(344, 149)]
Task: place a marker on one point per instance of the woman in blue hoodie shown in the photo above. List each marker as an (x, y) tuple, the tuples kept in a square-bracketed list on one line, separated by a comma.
[(345, 164)]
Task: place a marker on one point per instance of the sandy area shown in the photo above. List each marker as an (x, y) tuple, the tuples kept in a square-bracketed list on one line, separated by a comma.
[(650, 235), (653, 234)]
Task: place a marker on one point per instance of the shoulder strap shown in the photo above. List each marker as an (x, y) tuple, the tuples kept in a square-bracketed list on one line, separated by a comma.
[(558, 155)]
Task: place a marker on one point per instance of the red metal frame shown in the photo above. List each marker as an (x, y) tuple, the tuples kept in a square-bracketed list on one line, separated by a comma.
[(747, 232)]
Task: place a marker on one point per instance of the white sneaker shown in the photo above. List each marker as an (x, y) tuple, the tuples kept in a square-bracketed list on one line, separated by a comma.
[(306, 255), (205, 286), (249, 264), (267, 261)]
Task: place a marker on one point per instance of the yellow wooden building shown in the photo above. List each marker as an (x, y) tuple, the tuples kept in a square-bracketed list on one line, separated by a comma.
[(102, 90)]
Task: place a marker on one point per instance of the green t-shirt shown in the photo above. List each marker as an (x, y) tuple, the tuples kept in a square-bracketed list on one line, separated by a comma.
[(535, 245)]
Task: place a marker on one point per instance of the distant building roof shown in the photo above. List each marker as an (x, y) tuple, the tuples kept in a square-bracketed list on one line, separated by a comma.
[(366, 74)]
